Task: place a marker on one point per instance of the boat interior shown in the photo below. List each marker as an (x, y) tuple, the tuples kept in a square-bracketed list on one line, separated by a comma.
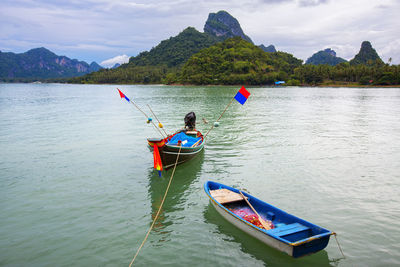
[(282, 225)]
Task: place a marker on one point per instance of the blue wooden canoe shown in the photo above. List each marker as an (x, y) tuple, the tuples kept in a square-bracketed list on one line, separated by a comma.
[(289, 233)]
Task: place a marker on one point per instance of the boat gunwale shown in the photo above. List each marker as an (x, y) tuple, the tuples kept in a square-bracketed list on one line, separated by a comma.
[(183, 147), (264, 231), (165, 144)]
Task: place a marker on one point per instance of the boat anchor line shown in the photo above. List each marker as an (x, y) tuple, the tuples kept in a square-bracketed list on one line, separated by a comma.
[(340, 248), (159, 209)]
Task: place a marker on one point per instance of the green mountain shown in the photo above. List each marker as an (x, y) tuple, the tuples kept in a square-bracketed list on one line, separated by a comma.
[(270, 48), (94, 67), (153, 66), (366, 56), (236, 61), (40, 63), (224, 26), (175, 51), (327, 56), (169, 56)]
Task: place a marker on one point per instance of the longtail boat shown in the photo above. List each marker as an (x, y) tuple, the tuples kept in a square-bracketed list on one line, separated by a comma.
[(267, 223), (190, 143)]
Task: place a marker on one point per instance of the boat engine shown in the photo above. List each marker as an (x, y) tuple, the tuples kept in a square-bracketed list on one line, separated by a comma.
[(190, 121)]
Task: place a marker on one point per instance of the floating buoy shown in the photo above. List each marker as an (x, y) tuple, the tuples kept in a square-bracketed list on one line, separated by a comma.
[(149, 120), (160, 125), (216, 124)]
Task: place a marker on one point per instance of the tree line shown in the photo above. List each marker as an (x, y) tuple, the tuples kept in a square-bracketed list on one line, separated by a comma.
[(236, 61)]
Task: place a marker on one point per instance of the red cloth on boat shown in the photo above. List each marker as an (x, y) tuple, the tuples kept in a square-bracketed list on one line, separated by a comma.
[(248, 215)]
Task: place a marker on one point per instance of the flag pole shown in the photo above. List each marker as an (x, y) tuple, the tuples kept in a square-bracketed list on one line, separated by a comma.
[(133, 103), (212, 127), (159, 123), (241, 96)]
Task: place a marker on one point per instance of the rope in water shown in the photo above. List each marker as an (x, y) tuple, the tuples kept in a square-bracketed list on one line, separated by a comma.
[(159, 209), (334, 234)]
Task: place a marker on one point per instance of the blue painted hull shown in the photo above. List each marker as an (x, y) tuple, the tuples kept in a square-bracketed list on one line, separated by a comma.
[(291, 235)]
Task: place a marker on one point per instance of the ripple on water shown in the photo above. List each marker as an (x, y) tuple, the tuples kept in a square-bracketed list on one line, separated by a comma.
[(77, 185)]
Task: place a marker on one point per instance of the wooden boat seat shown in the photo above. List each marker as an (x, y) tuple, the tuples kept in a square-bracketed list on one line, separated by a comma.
[(191, 132), (224, 196), (288, 229)]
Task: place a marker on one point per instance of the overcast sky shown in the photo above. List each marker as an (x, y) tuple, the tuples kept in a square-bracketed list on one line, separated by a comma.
[(99, 30)]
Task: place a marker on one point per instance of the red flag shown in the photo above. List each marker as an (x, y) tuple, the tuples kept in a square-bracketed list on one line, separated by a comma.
[(122, 95), (157, 160), (242, 95)]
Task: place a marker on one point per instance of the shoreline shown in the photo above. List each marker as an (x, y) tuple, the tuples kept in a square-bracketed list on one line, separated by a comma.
[(209, 85)]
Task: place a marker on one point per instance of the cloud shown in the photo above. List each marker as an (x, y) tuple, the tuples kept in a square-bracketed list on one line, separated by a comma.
[(101, 29), (112, 61), (306, 3)]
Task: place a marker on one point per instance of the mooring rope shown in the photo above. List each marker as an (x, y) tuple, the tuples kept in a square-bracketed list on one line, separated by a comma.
[(159, 209), (334, 234)]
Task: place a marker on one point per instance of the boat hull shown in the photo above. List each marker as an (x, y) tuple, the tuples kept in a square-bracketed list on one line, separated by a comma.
[(253, 232), (169, 153), (296, 237)]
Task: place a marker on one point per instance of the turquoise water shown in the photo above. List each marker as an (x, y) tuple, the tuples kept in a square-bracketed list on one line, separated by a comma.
[(77, 186)]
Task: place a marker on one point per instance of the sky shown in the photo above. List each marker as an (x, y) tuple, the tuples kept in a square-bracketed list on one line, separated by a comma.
[(110, 31)]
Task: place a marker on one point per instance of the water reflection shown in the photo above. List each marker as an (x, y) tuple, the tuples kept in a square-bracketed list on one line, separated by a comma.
[(250, 245), (185, 175)]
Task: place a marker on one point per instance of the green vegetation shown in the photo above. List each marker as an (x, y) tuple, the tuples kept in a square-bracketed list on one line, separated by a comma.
[(366, 56), (223, 25), (153, 66), (344, 73), (40, 64), (176, 50), (327, 56), (235, 61), (126, 74)]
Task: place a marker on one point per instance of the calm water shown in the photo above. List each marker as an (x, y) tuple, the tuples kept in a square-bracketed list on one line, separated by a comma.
[(77, 186)]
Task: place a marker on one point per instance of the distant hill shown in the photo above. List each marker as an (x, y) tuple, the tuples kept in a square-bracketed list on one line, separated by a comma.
[(236, 61), (153, 66), (94, 67), (41, 63), (163, 63), (327, 56), (270, 48), (176, 50), (367, 55), (223, 25), (116, 65)]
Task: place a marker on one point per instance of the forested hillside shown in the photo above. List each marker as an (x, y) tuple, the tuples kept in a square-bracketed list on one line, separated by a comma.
[(235, 61), (152, 66), (175, 51)]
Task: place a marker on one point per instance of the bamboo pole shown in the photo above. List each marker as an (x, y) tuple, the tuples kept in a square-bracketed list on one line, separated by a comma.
[(147, 117), (196, 143), (157, 119), (264, 223), (218, 118)]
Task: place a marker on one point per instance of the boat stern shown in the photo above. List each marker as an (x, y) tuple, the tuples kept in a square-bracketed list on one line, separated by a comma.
[(310, 247)]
